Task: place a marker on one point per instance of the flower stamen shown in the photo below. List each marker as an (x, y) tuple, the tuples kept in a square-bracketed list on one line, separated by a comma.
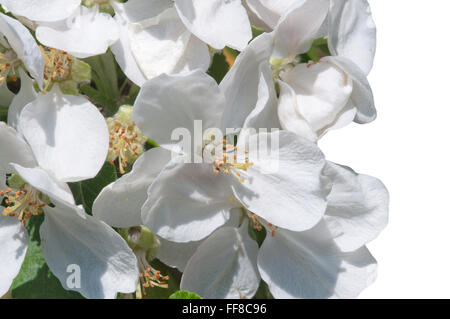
[(229, 161), (8, 62), (149, 277), (23, 203), (126, 142), (58, 65)]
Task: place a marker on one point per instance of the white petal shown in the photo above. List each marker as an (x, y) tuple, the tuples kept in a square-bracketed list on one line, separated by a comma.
[(24, 45), (284, 186), (42, 10), (346, 116), (270, 11), (357, 207), (187, 202), (65, 129), (290, 117), (362, 97), (106, 263), (309, 265), (124, 56), (90, 33), (169, 102), (264, 114), (224, 266), (164, 45), (119, 204), (323, 90), (240, 84), (41, 180), (6, 95), (26, 95), (138, 10), (298, 28), (352, 32), (218, 23), (13, 149), (176, 255), (14, 239)]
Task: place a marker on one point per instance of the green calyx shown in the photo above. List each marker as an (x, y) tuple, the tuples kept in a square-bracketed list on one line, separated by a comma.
[(141, 238), (103, 5), (80, 73), (16, 182)]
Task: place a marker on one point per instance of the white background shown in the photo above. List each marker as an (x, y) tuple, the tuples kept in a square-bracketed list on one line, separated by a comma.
[(408, 147)]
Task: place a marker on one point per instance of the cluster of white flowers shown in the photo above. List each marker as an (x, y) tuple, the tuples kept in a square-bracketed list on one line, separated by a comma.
[(229, 220)]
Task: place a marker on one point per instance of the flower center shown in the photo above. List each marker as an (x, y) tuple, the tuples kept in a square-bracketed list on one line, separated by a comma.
[(57, 66), (126, 142), (23, 203), (282, 65), (225, 159), (8, 60)]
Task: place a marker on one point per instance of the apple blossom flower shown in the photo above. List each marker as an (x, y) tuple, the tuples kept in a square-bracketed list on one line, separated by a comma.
[(119, 204), (173, 36), (218, 187), (188, 201), (53, 130)]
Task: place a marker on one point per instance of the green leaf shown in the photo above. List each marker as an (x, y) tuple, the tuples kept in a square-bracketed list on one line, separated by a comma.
[(104, 75), (85, 192), (100, 99), (256, 31), (35, 280), (183, 294), (219, 67), (3, 114), (319, 49), (263, 292)]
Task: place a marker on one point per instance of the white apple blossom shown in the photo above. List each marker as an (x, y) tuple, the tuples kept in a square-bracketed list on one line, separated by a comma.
[(52, 131), (291, 196), (164, 36), (218, 188)]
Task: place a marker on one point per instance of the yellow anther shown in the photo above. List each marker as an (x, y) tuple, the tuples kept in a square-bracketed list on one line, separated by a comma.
[(229, 161), (23, 203)]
